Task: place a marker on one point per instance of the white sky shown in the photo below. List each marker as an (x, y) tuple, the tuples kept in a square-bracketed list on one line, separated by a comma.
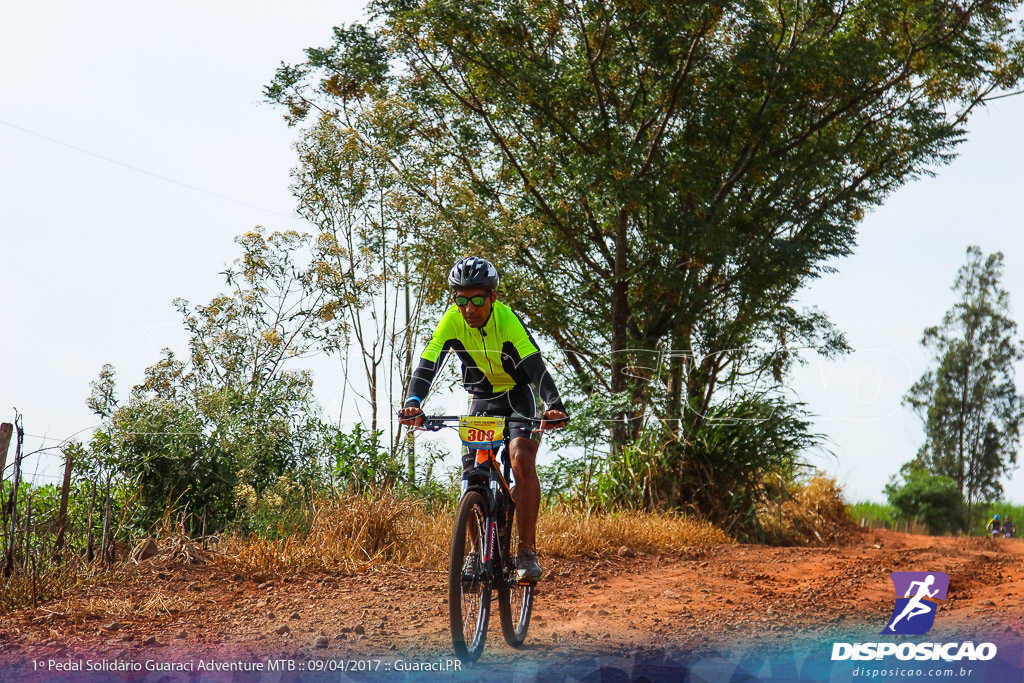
[(93, 252)]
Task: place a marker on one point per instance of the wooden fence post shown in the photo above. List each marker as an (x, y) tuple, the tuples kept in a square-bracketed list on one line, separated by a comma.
[(13, 501), (106, 527), (27, 538), (88, 535), (62, 517), (6, 429)]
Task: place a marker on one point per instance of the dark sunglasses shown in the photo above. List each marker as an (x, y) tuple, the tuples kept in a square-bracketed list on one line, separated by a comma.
[(477, 300)]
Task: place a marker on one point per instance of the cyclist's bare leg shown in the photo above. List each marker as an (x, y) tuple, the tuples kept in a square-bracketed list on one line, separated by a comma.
[(524, 467)]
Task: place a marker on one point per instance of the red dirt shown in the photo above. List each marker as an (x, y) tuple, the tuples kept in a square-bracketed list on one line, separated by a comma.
[(693, 602)]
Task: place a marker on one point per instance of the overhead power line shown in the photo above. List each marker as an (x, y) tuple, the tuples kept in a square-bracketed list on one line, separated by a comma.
[(999, 97), (137, 169)]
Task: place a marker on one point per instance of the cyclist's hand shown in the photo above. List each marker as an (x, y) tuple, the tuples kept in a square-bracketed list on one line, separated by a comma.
[(553, 419), (411, 415)]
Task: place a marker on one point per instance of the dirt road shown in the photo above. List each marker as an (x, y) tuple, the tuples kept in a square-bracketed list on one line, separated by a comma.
[(696, 602)]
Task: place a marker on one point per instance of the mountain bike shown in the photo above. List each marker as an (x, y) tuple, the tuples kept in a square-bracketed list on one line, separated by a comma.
[(484, 538)]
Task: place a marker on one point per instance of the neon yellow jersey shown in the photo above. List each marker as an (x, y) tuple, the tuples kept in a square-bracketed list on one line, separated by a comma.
[(496, 357), (491, 355)]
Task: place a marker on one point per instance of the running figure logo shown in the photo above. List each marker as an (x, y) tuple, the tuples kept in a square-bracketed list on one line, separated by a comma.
[(921, 593)]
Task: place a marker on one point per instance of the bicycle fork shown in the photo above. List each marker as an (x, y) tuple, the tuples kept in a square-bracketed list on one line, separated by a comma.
[(491, 544)]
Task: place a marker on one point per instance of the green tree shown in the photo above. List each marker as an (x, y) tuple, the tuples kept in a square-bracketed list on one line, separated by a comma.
[(659, 179), (932, 499), (234, 411), (969, 402), (230, 432), (361, 254), (275, 313)]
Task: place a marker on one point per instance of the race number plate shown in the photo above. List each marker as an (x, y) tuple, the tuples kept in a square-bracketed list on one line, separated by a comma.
[(481, 432)]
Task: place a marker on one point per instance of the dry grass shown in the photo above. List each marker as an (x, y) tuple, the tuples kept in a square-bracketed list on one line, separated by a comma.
[(20, 590), (80, 608), (811, 514), (566, 533), (52, 580), (176, 547), (352, 533)]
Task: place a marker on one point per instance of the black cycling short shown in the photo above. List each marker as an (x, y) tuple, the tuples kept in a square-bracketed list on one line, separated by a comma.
[(516, 402)]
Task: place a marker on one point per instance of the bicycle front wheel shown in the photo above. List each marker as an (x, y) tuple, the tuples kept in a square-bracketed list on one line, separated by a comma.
[(469, 589), (515, 599)]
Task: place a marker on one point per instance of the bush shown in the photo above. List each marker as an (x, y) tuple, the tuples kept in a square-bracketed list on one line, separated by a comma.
[(279, 510), (360, 461), (930, 499), (743, 454)]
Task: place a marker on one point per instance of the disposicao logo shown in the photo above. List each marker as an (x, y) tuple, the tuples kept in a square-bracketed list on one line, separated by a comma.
[(918, 595)]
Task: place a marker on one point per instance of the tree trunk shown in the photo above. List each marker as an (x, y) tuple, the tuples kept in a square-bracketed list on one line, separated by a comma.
[(106, 526), (373, 395), (620, 316), (26, 538), (962, 463), (410, 442), (674, 384), (695, 392), (35, 579)]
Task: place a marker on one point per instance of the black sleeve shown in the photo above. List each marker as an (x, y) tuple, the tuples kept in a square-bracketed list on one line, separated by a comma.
[(419, 384), (423, 377), (537, 372)]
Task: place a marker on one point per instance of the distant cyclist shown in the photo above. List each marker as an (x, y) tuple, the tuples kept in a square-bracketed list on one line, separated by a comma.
[(500, 362), (1008, 528), (995, 526)]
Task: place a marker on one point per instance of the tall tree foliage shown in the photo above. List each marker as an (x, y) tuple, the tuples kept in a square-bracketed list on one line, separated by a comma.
[(349, 187), (659, 179), (361, 255), (969, 402)]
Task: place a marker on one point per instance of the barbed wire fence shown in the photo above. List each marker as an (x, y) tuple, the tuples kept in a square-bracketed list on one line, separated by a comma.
[(38, 531)]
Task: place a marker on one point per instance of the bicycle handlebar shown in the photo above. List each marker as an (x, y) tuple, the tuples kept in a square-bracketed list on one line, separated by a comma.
[(433, 423)]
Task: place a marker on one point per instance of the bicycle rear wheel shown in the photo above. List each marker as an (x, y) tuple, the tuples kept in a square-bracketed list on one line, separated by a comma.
[(515, 600), (469, 590)]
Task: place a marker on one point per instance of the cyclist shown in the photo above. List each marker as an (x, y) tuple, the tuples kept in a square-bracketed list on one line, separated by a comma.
[(500, 362), (1009, 529), (994, 526)]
